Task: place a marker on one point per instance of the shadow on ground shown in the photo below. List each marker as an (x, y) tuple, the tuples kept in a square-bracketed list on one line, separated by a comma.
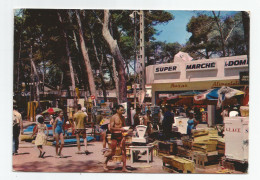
[(70, 166)]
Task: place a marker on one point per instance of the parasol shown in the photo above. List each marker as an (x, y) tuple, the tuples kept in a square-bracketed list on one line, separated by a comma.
[(51, 110), (219, 94)]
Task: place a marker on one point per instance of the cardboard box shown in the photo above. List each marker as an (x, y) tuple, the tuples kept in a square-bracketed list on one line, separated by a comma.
[(236, 138)]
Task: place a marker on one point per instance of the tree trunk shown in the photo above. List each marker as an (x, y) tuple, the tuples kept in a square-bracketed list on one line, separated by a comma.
[(19, 65), (70, 61), (84, 50), (35, 75), (110, 69), (115, 77), (100, 62), (119, 62)]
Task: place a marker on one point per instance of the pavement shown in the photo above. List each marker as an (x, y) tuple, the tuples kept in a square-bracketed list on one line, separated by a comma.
[(27, 161)]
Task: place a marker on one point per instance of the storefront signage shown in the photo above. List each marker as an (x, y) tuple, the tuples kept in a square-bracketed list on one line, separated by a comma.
[(167, 69), (197, 85), (175, 85), (228, 83), (201, 66), (244, 78), (236, 63)]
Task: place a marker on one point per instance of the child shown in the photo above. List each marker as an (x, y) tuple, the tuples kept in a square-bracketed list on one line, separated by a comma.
[(41, 137)]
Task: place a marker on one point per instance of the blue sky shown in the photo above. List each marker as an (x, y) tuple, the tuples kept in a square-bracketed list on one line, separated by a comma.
[(175, 31)]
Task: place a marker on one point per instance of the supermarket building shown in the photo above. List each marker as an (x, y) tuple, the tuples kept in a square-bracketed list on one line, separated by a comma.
[(195, 75)]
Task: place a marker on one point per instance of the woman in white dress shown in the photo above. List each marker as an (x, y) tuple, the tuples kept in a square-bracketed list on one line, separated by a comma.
[(41, 137)]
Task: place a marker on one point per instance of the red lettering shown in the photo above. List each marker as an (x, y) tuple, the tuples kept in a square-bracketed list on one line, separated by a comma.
[(233, 130)]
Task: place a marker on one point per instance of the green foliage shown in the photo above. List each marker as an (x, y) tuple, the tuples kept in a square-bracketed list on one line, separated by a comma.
[(41, 31), (162, 52), (211, 35)]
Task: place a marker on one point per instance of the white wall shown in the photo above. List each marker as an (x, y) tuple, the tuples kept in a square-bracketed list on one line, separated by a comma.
[(220, 72), (182, 79)]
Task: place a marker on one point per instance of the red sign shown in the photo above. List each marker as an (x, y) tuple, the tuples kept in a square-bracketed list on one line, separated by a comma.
[(92, 97)]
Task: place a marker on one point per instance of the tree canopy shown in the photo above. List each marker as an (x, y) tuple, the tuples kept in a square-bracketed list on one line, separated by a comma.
[(214, 34), (50, 37)]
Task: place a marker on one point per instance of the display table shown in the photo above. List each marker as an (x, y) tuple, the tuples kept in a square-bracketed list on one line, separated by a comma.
[(148, 149)]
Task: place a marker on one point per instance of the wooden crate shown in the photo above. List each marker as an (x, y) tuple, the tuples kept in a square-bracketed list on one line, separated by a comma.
[(204, 147), (155, 152), (187, 144), (167, 148), (187, 153), (201, 158), (128, 139), (117, 158), (118, 151), (169, 169), (179, 163), (201, 132), (127, 151)]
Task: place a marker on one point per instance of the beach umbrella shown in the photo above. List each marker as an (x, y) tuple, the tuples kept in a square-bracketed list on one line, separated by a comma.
[(188, 94), (171, 97), (219, 94), (51, 110), (211, 94)]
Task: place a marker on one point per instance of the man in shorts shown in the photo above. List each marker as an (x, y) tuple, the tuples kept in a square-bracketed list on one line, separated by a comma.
[(80, 121), (117, 122)]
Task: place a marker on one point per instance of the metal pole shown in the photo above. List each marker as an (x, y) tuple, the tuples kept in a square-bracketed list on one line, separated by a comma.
[(136, 57), (142, 52)]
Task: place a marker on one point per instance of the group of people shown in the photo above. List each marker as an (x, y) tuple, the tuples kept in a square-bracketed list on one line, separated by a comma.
[(58, 129), (118, 133), (115, 126)]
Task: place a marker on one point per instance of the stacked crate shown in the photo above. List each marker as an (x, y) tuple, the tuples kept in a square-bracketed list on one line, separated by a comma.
[(204, 146), (167, 148), (221, 146), (185, 149), (118, 155)]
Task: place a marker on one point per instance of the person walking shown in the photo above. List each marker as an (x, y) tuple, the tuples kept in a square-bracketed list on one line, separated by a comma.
[(80, 122), (41, 137), (167, 122), (17, 128), (117, 122), (58, 133)]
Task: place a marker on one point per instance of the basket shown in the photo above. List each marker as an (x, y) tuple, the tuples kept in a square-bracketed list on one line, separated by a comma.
[(244, 110)]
